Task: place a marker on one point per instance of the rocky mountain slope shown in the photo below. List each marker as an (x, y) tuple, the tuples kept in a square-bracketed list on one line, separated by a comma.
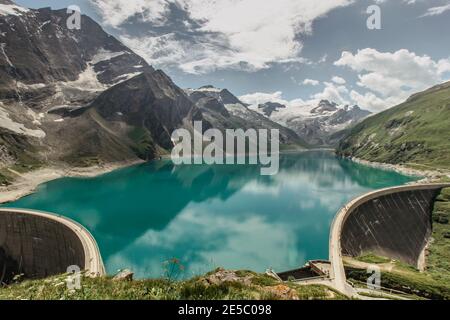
[(49, 77), (415, 133), (223, 110), (319, 125), (80, 97)]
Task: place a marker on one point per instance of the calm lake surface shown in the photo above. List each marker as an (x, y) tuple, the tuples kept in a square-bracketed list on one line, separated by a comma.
[(210, 216)]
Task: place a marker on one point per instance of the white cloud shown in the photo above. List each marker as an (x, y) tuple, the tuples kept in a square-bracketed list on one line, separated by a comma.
[(248, 34), (391, 77), (114, 13), (372, 102), (194, 56), (389, 73), (311, 82), (262, 97), (332, 92), (257, 98), (338, 80), (434, 11)]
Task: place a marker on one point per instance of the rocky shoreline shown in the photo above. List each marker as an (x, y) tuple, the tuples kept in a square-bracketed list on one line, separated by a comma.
[(27, 183), (425, 175)]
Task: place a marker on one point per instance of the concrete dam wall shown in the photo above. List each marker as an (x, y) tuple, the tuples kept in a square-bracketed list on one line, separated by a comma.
[(38, 245), (394, 223)]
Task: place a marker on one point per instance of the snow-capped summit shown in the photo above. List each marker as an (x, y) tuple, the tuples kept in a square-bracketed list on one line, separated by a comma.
[(8, 7), (316, 124), (208, 88), (325, 106)]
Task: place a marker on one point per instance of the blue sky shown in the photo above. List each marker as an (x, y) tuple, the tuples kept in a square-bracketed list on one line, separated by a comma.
[(289, 51)]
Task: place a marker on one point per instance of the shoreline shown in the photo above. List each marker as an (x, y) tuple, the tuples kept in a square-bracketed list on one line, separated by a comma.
[(28, 182), (426, 176)]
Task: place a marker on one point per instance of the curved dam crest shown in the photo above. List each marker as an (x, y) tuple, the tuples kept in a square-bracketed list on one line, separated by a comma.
[(396, 225), (38, 245), (393, 222)]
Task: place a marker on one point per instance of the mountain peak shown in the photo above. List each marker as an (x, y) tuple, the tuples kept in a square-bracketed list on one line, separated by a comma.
[(325, 106), (208, 88), (83, 62), (8, 8), (269, 107), (352, 108), (223, 95)]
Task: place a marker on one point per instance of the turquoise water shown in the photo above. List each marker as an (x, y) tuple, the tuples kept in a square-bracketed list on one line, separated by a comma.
[(210, 216)]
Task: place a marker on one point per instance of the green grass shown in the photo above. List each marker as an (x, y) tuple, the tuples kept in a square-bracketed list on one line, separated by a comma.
[(372, 258), (4, 180), (415, 133), (416, 283), (23, 157), (438, 261), (143, 141), (83, 161), (260, 287)]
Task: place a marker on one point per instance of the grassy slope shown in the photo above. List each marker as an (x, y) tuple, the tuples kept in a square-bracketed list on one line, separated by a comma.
[(416, 132), (247, 285), (21, 151), (435, 281)]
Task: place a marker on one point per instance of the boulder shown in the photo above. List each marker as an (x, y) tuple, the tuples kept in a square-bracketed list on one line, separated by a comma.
[(124, 275)]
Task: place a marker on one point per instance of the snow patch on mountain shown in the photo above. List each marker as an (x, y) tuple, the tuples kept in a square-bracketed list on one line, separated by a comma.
[(125, 77), (14, 10), (314, 123), (7, 123), (208, 89), (2, 48), (237, 109), (87, 81), (105, 55), (36, 117), (33, 86)]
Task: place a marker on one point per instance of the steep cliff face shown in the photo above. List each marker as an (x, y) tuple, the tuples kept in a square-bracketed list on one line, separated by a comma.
[(40, 56), (222, 110), (150, 102)]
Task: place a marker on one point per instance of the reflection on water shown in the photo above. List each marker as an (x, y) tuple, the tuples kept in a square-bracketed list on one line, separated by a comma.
[(209, 216)]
